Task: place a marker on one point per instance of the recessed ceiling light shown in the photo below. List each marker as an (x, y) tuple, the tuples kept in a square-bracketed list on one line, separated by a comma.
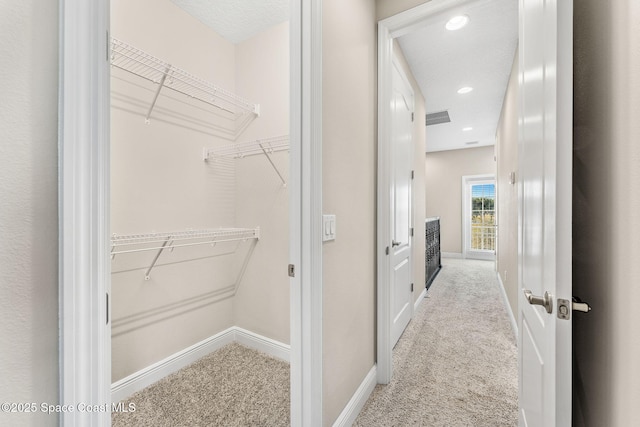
[(457, 22), (467, 129), (465, 89)]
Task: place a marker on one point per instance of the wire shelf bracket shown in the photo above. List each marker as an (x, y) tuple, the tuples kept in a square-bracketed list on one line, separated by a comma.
[(160, 241), (140, 63), (264, 147)]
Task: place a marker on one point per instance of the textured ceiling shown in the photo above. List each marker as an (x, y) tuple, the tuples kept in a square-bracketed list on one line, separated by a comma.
[(479, 55), (237, 20)]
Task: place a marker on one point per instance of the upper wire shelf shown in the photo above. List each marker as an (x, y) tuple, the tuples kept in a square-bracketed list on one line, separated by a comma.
[(147, 66)]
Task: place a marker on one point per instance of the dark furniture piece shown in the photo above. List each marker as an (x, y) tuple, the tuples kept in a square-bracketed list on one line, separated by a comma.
[(432, 256)]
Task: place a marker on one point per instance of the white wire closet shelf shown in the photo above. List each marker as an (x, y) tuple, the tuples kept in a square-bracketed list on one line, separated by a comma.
[(168, 240), (264, 147), (147, 66)]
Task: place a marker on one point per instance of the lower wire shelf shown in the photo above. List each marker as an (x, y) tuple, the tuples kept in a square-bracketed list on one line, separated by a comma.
[(123, 244)]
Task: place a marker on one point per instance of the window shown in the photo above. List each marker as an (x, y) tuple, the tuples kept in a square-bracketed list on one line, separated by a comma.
[(483, 217)]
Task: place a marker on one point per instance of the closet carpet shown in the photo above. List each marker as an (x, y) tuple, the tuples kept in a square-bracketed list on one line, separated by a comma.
[(456, 363), (234, 386)]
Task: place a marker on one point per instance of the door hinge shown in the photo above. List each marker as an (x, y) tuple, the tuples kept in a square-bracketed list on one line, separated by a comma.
[(292, 270), (108, 47), (411, 231), (413, 174), (411, 117), (412, 287), (107, 306), (386, 251)]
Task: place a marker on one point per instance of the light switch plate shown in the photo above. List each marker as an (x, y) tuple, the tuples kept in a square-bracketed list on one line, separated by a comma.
[(328, 227)]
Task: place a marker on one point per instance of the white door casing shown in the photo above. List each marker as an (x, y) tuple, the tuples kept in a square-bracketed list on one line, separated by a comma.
[(401, 153), (388, 29), (544, 218), (85, 336)]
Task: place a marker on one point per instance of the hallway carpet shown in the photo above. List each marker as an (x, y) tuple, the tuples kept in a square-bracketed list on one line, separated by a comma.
[(456, 363), (234, 386)]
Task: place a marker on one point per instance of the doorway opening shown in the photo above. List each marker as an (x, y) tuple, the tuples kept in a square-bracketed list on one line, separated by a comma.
[(85, 283), (461, 142)]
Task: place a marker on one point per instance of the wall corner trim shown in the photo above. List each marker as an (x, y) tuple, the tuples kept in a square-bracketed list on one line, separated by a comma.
[(350, 412), (507, 306), (137, 381)]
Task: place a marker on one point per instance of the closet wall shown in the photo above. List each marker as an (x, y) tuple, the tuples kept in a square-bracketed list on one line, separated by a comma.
[(160, 183)]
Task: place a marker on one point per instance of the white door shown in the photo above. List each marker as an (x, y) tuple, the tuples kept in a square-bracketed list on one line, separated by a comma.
[(401, 148), (545, 177)]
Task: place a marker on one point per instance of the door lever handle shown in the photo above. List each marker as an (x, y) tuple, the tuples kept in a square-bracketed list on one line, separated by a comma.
[(546, 301), (394, 243)]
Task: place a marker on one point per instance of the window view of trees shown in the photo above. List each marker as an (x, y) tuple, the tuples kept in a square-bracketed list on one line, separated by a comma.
[(483, 217)]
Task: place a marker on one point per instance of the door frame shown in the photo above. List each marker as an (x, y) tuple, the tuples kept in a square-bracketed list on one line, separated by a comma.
[(389, 29), (467, 182), (83, 199)]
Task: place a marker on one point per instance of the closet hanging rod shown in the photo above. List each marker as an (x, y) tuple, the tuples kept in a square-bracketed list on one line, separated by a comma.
[(245, 149), (147, 66)]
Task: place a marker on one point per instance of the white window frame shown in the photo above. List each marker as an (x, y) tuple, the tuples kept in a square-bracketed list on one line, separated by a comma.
[(467, 182)]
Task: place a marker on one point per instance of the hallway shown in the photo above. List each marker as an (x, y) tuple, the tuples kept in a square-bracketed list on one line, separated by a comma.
[(456, 363)]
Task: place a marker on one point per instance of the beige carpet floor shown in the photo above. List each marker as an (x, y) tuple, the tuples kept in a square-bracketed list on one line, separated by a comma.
[(235, 386), (456, 363)]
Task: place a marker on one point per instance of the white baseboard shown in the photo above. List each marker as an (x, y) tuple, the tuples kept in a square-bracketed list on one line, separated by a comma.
[(145, 377), (420, 299), (451, 255), (507, 305), (266, 345), (350, 412)]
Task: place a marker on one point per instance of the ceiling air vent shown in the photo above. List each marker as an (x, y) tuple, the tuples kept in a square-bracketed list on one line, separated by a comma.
[(471, 142), (437, 118)]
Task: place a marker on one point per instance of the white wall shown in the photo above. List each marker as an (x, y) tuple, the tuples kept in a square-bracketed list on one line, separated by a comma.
[(349, 112), (262, 73), (443, 175), (28, 208), (507, 193), (161, 183), (606, 202)]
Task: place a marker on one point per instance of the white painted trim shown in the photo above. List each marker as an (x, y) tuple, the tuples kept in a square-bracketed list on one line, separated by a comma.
[(456, 255), (467, 181), (306, 213), (384, 318), (421, 298), (145, 377), (137, 381), (389, 28), (507, 306), (84, 262), (350, 412), (261, 343)]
